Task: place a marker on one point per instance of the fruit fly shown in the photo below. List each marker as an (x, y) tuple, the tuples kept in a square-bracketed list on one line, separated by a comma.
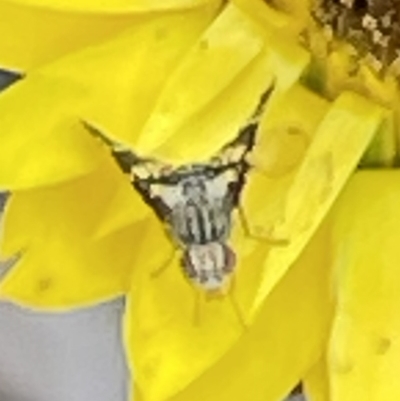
[(195, 201)]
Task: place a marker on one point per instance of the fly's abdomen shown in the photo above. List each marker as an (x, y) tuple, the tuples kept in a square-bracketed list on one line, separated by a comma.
[(209, 266)]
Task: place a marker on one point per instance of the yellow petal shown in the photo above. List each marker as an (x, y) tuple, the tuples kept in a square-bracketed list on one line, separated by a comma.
[(42, 142), (61, 266), (215, 114), (383, 149), (364, 354), (36, 31), (167, 351), (229, 45), (75, 274), (284, 138), (337, 147), (124, 209), (316, 382), (129, 72), (271, 19), (171, 325), (288, 61), (114, 6), (214, 89)]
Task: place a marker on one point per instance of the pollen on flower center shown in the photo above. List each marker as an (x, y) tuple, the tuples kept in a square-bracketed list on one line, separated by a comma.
[(371, 26)]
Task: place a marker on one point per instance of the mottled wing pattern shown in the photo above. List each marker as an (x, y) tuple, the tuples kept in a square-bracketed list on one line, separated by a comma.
[(163, 187), (144, 172), (234, 154), (123, 155)]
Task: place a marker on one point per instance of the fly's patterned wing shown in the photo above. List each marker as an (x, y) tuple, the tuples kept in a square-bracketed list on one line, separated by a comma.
[(234, 154), (124, 156), (155, 180), (144, 172)]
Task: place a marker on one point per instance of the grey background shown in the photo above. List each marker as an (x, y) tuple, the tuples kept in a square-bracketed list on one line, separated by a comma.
[(75, 356), (66, 357)]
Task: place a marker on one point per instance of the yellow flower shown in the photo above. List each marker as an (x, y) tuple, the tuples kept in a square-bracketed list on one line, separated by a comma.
[(177, 86), (39, 32), (354, 45)]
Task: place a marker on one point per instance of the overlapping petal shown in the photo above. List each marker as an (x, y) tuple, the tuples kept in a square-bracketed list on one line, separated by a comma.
[(170, 348), (364, 353), (339, 142), (62, 181), (329, 151), (202, 106), (316, 381), (59, 265), (38, 32), (104, 84)]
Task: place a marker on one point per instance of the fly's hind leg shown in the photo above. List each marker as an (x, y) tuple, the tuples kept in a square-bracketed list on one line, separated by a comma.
[(201, 297), (198, 302), (235, 304), (260, 237)]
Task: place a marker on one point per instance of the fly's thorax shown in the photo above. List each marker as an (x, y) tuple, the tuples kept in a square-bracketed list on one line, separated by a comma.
[(199, 224), (209, 266), (200, 209)]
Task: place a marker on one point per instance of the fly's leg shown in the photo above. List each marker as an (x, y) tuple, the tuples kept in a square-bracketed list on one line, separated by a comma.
[(235, 305), (198, 293), (157, 272), (201, 296), (251, 234)]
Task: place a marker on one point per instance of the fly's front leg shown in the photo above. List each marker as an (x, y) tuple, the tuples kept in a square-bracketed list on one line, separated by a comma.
[(260, 237)]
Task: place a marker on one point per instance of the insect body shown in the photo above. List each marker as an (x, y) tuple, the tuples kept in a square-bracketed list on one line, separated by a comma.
[(195, 201)]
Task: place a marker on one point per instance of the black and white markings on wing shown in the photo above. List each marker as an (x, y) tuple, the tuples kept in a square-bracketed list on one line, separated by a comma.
[(195, 201)]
